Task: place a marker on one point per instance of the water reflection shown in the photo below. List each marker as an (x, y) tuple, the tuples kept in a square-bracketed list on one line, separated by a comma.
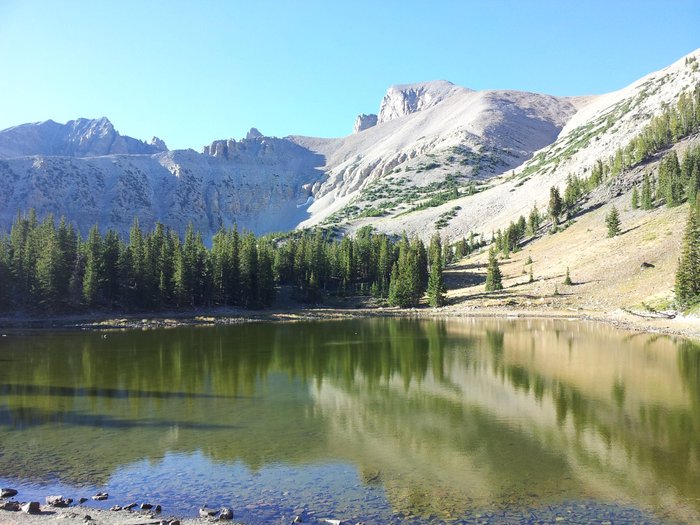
[(445, 416)]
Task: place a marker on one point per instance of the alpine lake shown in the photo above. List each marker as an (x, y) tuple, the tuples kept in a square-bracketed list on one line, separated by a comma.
[(371, 420)]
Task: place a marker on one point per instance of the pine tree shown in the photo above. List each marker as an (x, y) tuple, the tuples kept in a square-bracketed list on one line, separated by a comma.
[(92, 280), (694, 182), (555, 205), (687, 287), (635, 198), (110, 262), (493, 273), (567, 279), (48, 267), (612, 221), (248, 272), (436, 282), (533, 221), (647, 200)]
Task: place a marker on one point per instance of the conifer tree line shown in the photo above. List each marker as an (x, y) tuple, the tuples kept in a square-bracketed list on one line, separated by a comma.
[(49, 268), (676, 180)]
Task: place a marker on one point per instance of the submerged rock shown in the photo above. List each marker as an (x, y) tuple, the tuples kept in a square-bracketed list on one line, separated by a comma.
[(205, 512), (82, 500)]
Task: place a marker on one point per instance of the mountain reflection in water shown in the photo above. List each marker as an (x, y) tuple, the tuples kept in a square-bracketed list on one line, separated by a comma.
[(444, 416)]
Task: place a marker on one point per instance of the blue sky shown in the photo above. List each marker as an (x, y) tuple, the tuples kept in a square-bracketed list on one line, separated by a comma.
[(193, 72)]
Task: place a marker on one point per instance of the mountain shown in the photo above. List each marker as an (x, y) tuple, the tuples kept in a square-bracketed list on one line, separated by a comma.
[(75, 138), (435, 154), (258, 182), (557, 138)]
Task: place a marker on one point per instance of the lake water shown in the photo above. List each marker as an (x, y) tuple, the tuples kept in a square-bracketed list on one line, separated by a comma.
[(378, 420)]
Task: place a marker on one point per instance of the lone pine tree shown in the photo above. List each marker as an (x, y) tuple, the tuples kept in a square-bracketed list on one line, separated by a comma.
[(612, 221), (493, 273)]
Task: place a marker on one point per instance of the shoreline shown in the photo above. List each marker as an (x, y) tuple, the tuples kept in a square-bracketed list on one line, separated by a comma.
[(580, 510), (679, 326), (682, 326)]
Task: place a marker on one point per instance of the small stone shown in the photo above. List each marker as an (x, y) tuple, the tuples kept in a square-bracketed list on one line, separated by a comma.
[(82, 500), (31, 508), (115, 508), (58, 501), (158, 508), (145, 506), (100, 496), (87, 517), (130, 506), (174, 522), (9, 505), (225, 514), (7, 493), (297, 519), (207, 513)]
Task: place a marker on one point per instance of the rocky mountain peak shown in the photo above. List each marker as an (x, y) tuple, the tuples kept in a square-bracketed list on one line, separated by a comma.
[(253, 134), (404, 99), (363, 122), (81, 137), (158, 144)]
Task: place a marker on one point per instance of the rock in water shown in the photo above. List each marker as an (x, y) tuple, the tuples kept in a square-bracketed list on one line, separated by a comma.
[(129, 506), (225, 514), (7, 493), (146, 506), (100, 496), (82, 500), (58, 501), (204, 512), (31, 508)]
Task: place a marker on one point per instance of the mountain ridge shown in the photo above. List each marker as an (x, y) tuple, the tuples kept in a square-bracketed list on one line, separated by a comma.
[(427, 135)]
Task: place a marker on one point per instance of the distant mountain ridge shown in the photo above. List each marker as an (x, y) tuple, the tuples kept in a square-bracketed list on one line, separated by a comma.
[(76, 138), (425, 139)]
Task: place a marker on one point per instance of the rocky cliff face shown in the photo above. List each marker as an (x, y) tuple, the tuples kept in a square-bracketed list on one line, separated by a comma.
[(363, 122), (75, 138), (402, 100), (260, 184)]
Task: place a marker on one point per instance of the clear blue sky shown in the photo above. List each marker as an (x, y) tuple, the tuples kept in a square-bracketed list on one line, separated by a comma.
[(192, 72)]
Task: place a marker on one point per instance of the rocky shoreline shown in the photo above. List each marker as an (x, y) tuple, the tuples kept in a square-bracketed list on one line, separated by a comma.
[(60, 509), (624, 319), (32, 513)]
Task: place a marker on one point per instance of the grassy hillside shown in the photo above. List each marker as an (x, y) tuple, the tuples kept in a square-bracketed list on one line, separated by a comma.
[(607, 273)]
